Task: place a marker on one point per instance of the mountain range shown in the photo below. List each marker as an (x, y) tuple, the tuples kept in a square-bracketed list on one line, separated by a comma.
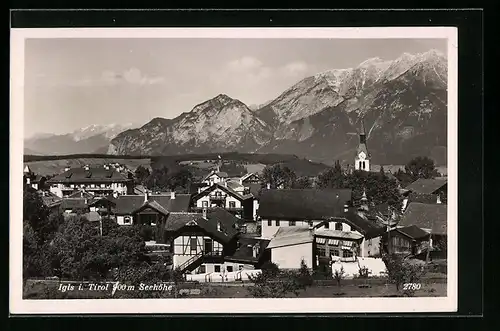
[(402, 103), (90, 139)]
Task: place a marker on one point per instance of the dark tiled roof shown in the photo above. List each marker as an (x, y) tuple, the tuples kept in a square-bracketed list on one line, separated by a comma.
[(74, 203), (81, 194), (245, 250), (426, 216), (254, 188), (80, 175), (49, 199), (365, 224), (152, 204), (177, 221), (426, 186), (126, 204), (302, 204), (413, 232)]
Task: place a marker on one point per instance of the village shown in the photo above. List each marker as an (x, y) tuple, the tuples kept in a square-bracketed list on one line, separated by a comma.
[(226, 229)]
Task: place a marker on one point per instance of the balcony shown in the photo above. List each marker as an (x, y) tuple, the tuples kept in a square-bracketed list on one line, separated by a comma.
[(220, 197)]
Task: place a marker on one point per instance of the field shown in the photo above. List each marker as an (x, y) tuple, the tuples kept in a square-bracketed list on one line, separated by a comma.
[(51, 167), (430, 287)]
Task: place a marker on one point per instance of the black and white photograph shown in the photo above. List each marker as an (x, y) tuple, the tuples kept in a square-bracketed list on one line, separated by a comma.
[(183, 168)]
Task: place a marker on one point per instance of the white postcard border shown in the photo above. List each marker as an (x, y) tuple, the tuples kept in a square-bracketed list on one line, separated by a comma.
[(232, 306)]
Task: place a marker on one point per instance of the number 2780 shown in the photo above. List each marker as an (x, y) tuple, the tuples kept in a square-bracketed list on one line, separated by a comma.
[(411, 286)]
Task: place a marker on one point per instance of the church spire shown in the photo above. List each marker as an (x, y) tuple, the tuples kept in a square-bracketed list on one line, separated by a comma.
[(362, 134)]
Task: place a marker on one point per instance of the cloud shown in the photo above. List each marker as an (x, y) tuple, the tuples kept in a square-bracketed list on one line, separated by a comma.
[(296, 68), (132, 76)]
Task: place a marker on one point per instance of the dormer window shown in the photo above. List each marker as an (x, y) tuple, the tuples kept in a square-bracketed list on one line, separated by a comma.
[(338, 226)]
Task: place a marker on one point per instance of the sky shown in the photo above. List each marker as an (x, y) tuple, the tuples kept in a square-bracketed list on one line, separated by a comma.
[(73, 83)]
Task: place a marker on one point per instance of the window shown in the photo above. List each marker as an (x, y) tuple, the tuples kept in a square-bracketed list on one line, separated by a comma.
[(335, 252), (338, 226), (232, 204), (72, 186), (193, 244), (240, 267), (126, 220), (204, 204), (229, 268), (321, 251), (217, 268), (277, 222), (327, 225), (103, 185), (347, 253), (202, 269), (269, 223), (291, 223)]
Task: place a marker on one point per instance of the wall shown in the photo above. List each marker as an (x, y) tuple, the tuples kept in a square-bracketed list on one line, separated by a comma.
[(289, 257), (182, 250), (210, 267), (255, 208), (372, 247), (120, 219), (268, 231), (56, 189), (357, 164)]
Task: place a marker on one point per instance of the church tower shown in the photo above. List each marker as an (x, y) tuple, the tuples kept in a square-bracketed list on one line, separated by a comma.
[(362, 159)]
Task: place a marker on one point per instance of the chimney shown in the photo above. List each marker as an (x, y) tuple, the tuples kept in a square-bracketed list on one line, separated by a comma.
[(204, 212), (146, 195), (86, 167), (268, 186), (438, 200), (172, 195)]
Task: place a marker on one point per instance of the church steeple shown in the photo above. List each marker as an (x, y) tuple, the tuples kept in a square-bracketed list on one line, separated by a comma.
[(362, 159)]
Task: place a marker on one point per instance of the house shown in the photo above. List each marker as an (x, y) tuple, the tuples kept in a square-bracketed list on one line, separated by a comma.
[(430, 191), (405, 240), (432, 218), (35, 181), (99, 181), (147, 208), (316, 225), (206, 242), (298, 207), (51, 201), (222, 195), (72, 206), (215, 177), (249, 178)]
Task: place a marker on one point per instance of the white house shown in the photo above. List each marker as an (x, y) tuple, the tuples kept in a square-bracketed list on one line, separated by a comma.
[(99, 181)]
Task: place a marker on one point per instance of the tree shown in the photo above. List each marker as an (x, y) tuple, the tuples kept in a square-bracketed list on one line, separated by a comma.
[(278, 174), (304, 277), (180, 180), (421, 167), (141, 175), (401, 272), (302, 183), (338, 275), (332, 177), (379, 188)]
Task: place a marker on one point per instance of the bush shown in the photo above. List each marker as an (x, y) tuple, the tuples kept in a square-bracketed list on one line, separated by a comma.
[(364, 272), (338, 275), (401, 272), (304, 276)]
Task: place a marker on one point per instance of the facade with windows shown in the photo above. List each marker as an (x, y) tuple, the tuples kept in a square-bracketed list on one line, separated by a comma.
[(97, 181)]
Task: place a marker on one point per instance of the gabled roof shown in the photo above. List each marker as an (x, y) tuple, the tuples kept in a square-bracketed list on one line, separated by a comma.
[(127, 204), (177, 221), (426, 216), (328, 233), (74, 203), (426, 186), (413, 232), (95, 175), (93, 216), (220, 174), (365, 224), (303, 204), (224, 188), (27, 169), (81, 194), (254, 188), (248, 175), (50, 199), (153, 205)]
